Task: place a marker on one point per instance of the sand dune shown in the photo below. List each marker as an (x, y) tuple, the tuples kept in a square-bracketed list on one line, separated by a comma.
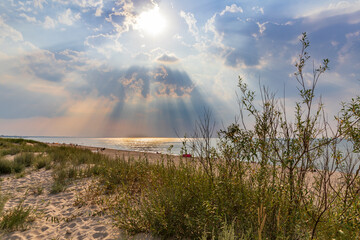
[(57, 216)]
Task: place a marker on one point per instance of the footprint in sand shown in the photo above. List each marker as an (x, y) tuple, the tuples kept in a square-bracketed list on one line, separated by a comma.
[(72, 225), (100, 235), (99, 229), (43, 229), (100, 232)]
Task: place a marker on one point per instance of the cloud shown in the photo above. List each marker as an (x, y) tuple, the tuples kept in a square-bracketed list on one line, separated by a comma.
[(137, 82), (190, 21), (163, 98), (167, 58), (349, 53), (43, 65), (98, 12), (8, 32), (172, 83), (332, 10), (49, 23), (39, 3), (89, 3), (231, 9), (28, 18), (232, 38), (211, 24), (258, 9), (105, 44), (143, 57), (242, 57), (125, 14), (12, 41), (68, 17), (262, 27)]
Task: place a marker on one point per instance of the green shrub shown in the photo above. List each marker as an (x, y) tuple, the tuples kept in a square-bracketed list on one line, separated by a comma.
[(18, 167), (25, 159), (11, 151), (6, 166), (16, 218), (57, 187), (41, 162), (3, 200)]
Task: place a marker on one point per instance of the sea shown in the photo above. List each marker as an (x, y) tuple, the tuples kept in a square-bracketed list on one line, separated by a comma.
[(149, 144)]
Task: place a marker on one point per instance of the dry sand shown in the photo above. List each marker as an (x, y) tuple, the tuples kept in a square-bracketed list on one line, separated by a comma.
[(57, 216)]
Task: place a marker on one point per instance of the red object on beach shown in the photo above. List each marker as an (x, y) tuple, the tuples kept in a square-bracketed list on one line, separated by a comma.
[(186, 155)]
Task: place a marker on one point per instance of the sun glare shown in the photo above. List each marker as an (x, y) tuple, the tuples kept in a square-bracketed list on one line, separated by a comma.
[(152, 22)]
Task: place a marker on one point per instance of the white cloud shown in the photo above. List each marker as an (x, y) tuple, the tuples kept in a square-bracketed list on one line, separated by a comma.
[(262, 27), (9, 32), (232, 9), (49, 23), (126, 10), (98, 4), (12, 43), (334, 43), (89, 3), (340, 4), (340, 8), (210, 27), (258, 9), (39, 3), (210, 24), (28, 18), (190, 21), (98, 12), (68, 17), (105, 44)]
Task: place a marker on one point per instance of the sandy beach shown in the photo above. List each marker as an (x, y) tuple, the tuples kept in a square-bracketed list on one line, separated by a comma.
[(78, 212), (60, 216)]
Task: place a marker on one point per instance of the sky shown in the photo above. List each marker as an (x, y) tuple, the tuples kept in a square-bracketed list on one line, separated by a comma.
[(146, 68)]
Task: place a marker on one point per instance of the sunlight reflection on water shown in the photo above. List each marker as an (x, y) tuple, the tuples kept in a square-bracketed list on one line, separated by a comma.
[(131, 144), (145, 144)]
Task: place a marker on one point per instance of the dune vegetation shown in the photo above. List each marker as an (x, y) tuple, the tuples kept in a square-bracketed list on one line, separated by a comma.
[(274, 179)]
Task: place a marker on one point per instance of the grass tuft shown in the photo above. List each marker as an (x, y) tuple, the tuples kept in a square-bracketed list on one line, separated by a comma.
[(25, 159), (6, 166), (15, 219)]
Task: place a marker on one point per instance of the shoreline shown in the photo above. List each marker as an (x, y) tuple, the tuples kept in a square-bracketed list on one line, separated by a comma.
[(127, 154)]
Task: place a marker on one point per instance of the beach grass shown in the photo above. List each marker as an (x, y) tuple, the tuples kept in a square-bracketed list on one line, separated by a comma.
[(15, 218)]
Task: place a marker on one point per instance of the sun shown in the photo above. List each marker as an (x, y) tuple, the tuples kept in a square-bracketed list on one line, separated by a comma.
[(151, 22)]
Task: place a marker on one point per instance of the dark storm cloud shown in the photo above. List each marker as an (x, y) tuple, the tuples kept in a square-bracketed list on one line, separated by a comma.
[(147, 84), (138, 79)]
